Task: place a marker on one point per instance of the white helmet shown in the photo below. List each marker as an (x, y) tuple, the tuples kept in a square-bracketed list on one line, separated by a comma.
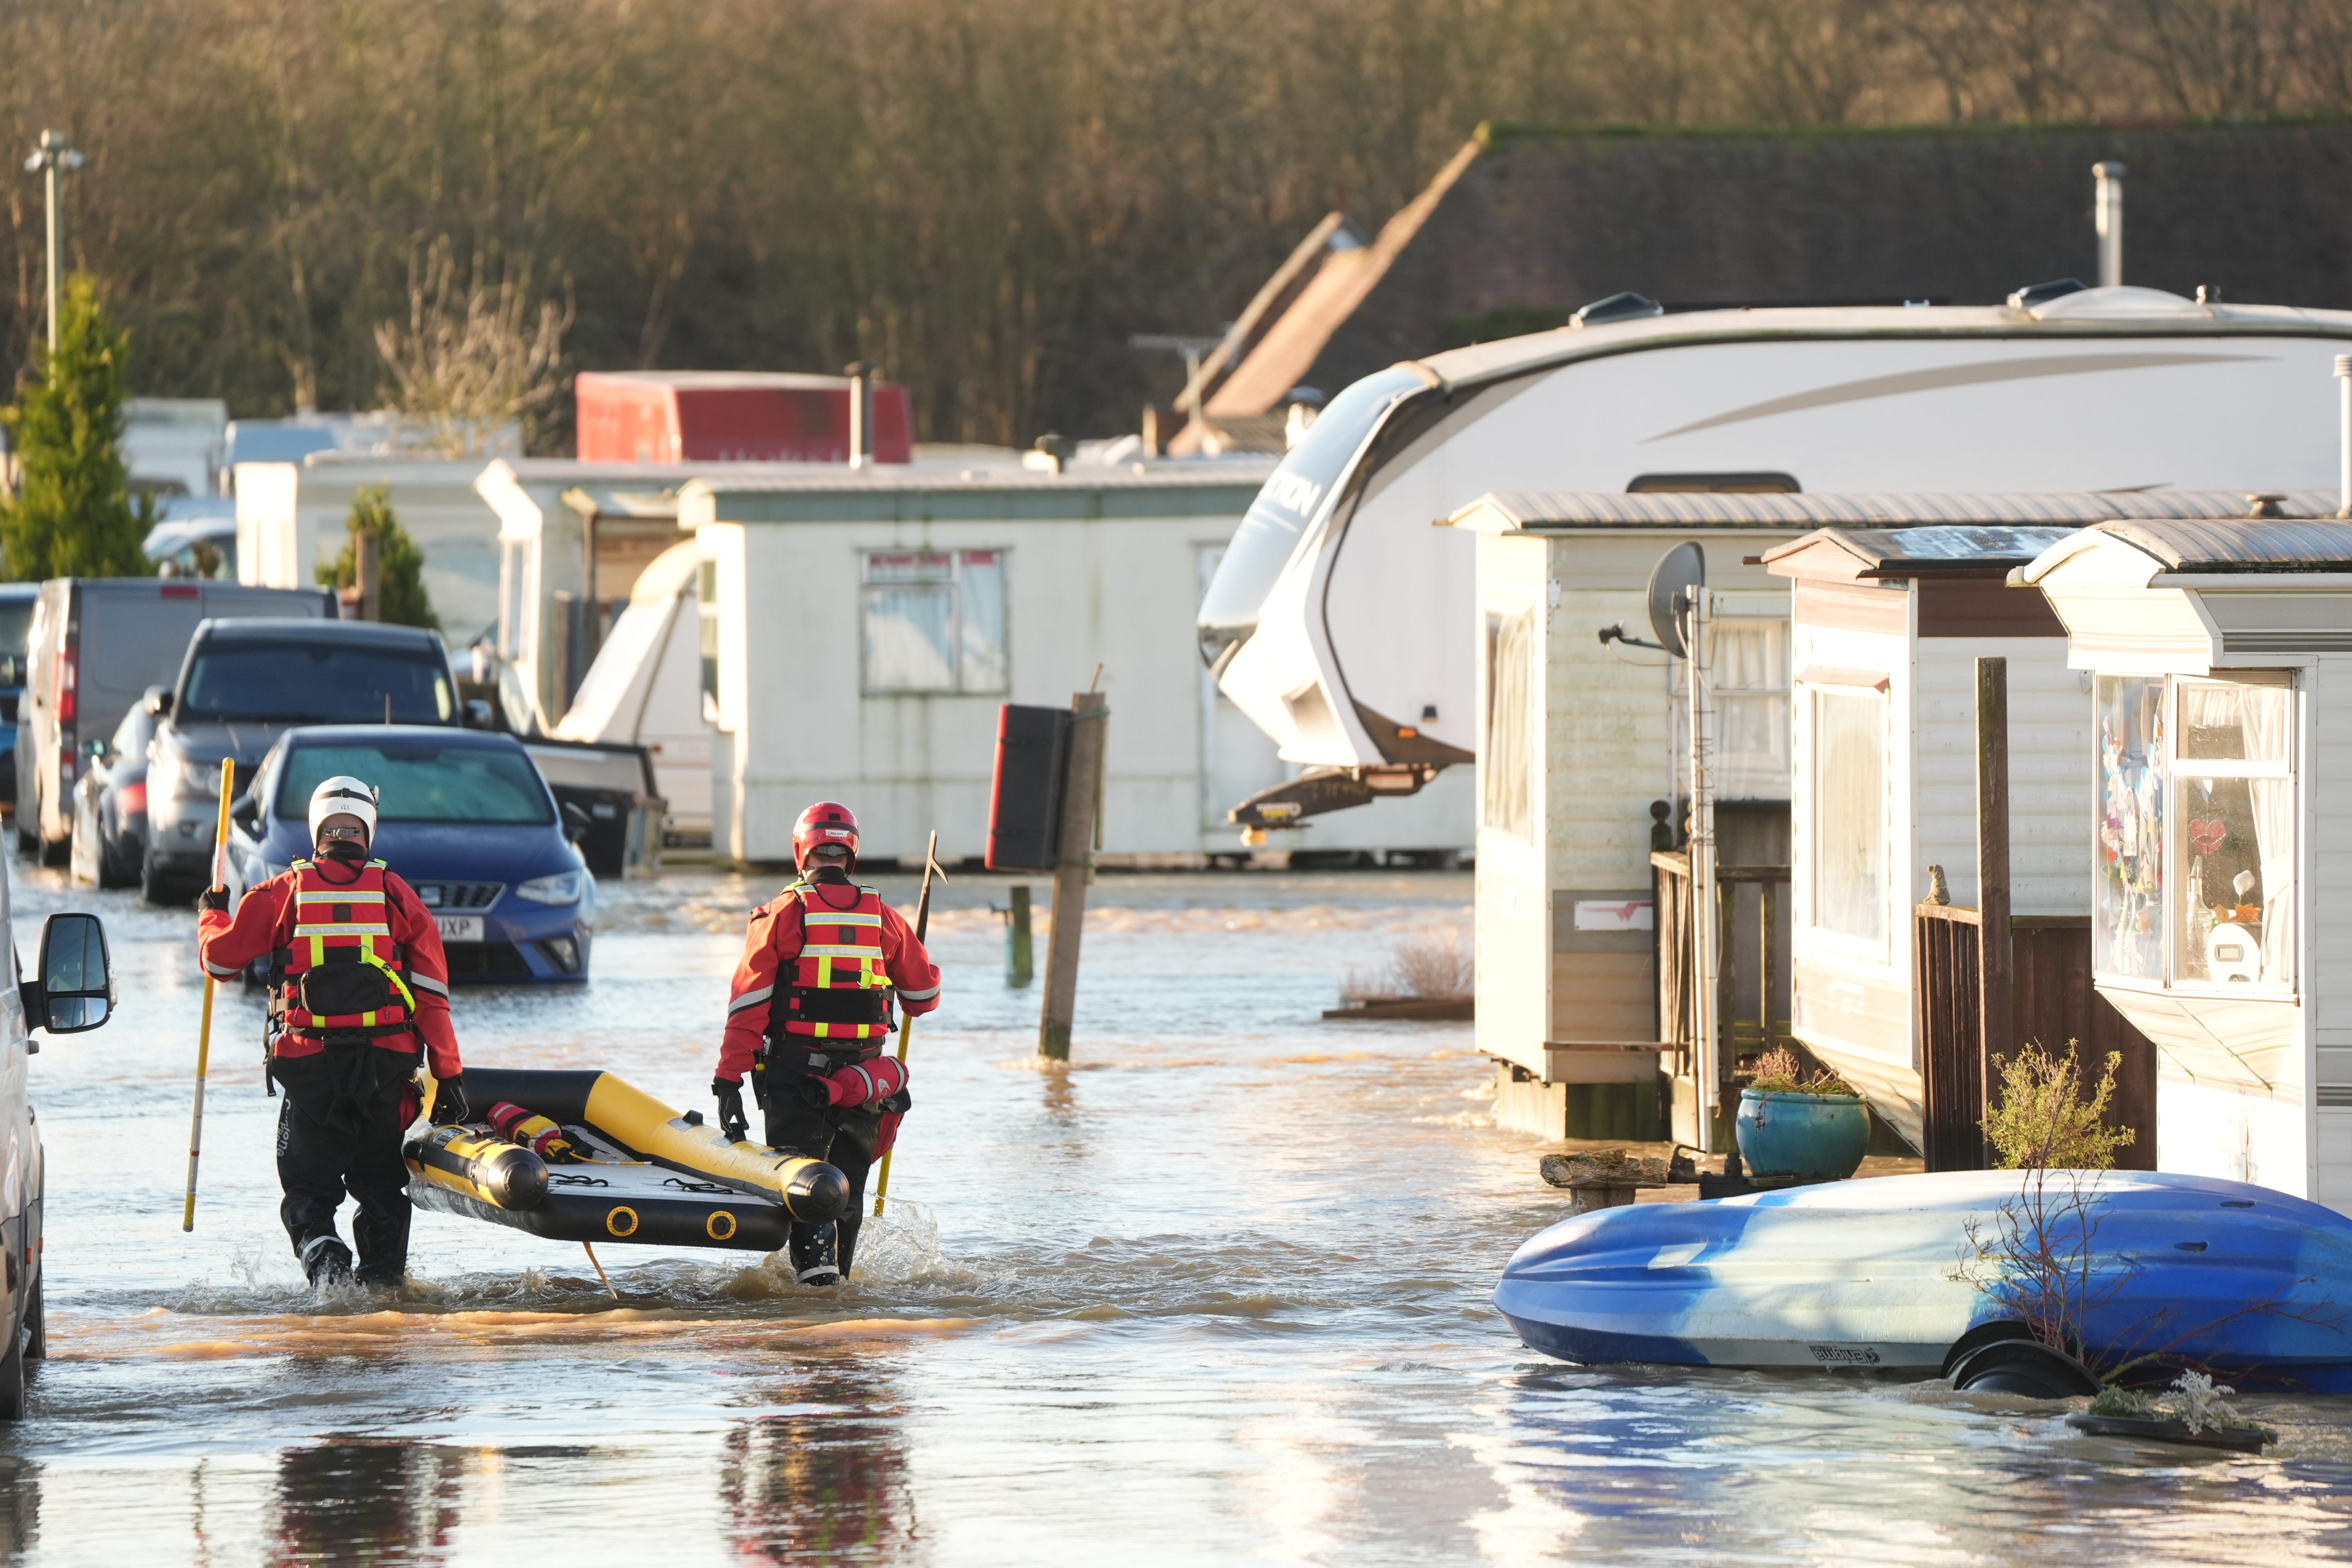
[(342, 795)]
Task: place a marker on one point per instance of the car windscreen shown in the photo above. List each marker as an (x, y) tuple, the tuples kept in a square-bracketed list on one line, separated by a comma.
[(15, 626), (299, 683), (420, 781)]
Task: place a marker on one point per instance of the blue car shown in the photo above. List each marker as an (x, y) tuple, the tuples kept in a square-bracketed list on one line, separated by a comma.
[(464, 817)]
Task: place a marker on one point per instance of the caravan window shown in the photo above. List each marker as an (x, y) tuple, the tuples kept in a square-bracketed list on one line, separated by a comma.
[(2127, 922), (1749, 661), (933, 621), (1849, 817)]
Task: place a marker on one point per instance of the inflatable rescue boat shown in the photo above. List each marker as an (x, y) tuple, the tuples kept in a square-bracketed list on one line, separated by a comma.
[(585, 1156), (1865, 1274)]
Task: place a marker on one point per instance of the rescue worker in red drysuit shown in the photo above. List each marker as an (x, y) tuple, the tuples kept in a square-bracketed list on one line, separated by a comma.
[(808, 1017), (359, 988)]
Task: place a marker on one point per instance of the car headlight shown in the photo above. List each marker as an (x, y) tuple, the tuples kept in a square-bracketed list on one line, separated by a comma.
[(563, 888)]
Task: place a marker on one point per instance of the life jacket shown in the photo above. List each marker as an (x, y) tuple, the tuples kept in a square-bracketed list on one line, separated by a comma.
[(341, 972), (837, 988)]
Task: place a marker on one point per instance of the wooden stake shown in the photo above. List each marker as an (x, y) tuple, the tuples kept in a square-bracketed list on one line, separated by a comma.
[(204, 1029), (367, 573), (907, 1025), (1996, 968), (1073, 865), (1020, 965)]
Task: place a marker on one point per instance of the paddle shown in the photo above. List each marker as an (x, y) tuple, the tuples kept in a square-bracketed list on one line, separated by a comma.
[(205, 1030), (906, 1026)]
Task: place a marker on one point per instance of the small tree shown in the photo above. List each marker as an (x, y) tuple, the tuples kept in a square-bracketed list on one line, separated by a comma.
[(73, 514), (400, 565)]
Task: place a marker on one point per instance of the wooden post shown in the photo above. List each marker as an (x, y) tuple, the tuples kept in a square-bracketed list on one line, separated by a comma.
[(367, 571), (1996, 969), (1020, 968), (1073, 865)]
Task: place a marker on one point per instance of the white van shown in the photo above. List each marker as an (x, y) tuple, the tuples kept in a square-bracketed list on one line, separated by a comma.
[(74, 991), (96, 646)]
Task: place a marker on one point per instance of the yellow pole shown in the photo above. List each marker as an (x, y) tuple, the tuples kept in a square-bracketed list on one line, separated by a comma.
[(205, 1030), (600, 1270), (906, 1026)]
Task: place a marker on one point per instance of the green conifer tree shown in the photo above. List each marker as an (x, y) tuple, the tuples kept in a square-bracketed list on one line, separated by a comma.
[(73, 515), (401, 596)]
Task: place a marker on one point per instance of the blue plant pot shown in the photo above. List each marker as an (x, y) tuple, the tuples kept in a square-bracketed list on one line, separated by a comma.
[(1802, 1135)]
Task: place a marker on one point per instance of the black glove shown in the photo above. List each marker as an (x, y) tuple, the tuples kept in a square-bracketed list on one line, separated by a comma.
[(449, 1107), (213, 898), (731, 1119)]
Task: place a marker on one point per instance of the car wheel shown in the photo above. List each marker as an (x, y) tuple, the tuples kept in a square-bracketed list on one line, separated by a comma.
[(157, 885), (57, 852), (117, 866)]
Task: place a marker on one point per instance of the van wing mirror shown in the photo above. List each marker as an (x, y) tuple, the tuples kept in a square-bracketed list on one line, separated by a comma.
[(76, 988), (477, 714), (158, 701), (245, 811), (575, 822)]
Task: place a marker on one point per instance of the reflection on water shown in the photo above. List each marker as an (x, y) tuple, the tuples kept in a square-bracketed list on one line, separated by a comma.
[(824, 1481), (352, 1499), (1215, 1291)]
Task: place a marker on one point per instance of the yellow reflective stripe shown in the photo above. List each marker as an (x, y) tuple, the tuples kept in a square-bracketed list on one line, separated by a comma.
[(823, 973), (841, 949), (341, 928)]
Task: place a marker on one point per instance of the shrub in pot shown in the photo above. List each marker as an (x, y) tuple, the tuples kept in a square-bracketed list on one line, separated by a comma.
[(1790, 1125)]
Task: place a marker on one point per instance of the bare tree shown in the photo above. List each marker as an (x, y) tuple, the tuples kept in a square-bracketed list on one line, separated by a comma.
[(473, 355)]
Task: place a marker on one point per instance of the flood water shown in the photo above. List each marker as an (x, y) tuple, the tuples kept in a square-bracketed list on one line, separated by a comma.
[(1216, 1292)]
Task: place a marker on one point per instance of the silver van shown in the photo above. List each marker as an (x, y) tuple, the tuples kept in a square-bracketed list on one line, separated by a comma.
[(97, 644)]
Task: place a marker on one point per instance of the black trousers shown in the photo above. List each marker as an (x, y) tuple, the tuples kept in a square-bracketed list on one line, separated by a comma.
[(849, 1138), (338, 1132)]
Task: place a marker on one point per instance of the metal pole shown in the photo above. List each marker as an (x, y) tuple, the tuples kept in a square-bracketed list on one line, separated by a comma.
[(2108, 215), (907, 1025), (53, 159), (862, 376), (1706, 962)]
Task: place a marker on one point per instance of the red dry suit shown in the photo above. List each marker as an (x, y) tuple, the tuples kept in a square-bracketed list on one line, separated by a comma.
[(305, 919)]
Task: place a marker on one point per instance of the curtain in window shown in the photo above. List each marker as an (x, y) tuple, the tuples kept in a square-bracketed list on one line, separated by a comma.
[(1751, 709), (1849, 822), (1509, 758), (910, 640), (982, 625), (2265, 713)]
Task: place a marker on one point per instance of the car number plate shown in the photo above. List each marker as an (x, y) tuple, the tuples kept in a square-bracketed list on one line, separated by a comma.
[(459, 928)]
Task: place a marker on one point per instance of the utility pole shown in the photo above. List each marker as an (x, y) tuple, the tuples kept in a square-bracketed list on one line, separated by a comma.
[(53, 159)]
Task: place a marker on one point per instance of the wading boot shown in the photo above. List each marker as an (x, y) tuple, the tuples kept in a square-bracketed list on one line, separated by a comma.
[(326, 1261), (813, 1256)]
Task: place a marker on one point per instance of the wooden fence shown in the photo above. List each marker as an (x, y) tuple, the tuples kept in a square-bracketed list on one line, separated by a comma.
[(1752, 984)]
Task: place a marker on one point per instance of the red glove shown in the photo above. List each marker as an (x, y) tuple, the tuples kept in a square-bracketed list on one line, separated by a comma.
[(877, 1080)]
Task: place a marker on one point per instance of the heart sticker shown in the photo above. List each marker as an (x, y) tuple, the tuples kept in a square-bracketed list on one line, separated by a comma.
[(2207, 836)]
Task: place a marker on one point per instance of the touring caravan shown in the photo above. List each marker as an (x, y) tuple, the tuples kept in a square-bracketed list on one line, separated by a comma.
[(1339, 620)]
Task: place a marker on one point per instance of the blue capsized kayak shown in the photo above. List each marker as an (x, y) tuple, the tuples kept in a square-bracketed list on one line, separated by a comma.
[(1867, 1273)]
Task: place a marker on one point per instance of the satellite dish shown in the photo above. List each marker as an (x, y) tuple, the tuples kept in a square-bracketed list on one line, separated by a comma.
[(1677, 569)]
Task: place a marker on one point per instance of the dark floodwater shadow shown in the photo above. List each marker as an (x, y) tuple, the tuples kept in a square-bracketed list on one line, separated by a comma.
[(825, 1480), (20, 1506)]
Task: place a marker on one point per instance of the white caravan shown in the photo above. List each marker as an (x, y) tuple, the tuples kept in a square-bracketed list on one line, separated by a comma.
[(1340, 620)]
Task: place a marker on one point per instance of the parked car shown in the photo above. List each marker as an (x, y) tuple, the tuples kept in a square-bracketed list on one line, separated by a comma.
[(464, 817), (94, 646), (245, 683), (16, 621), (109, 833), (72, 990)]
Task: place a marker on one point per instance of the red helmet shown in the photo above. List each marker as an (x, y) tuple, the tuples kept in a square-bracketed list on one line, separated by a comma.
[(826, 821)]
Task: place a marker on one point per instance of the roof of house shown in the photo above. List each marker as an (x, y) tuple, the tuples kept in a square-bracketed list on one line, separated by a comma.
[(2308, 538), (1523, 224), (1962, 520), (1939, 550)]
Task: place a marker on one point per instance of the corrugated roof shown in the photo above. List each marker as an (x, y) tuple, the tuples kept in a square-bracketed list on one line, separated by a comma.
[(2243, 544), (1940, 547), (2058, 509)]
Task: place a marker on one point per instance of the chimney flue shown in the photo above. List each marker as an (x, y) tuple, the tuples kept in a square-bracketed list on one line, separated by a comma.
[(863, 374), (2109, 214)]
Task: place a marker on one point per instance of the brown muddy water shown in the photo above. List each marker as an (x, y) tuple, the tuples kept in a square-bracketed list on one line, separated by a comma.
[(1216, 1293)]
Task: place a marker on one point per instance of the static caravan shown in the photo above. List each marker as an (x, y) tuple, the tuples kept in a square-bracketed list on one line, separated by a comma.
[(290, 518), (1580, 780), (1888, 626), (2220, 890), (867, 624)]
